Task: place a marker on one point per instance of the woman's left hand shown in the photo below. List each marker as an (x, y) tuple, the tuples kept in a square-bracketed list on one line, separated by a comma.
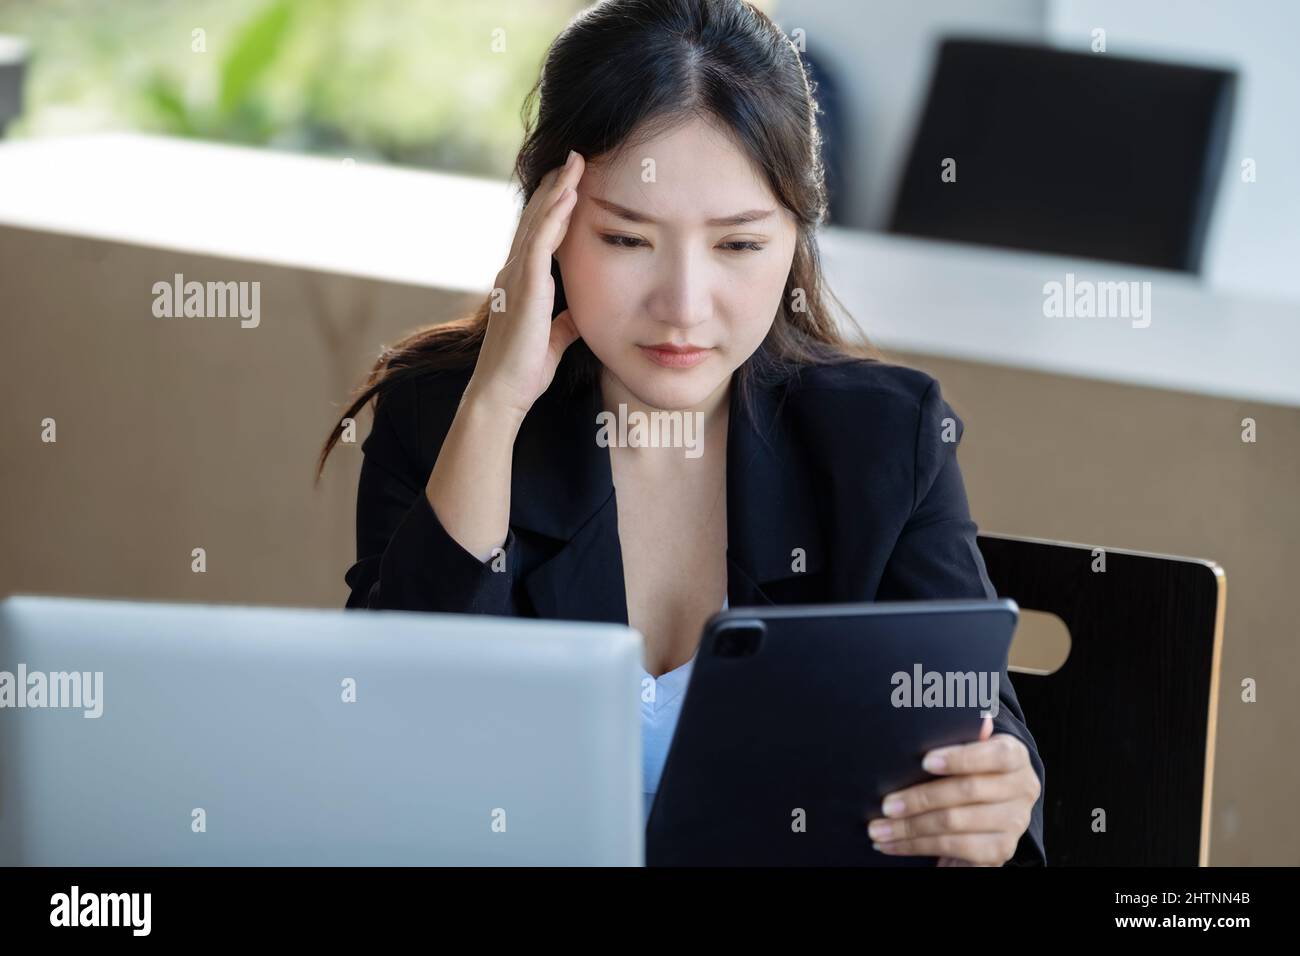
[(974, 815)]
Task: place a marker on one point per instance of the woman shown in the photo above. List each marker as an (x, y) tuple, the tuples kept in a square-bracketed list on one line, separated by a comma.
[(670, 266)]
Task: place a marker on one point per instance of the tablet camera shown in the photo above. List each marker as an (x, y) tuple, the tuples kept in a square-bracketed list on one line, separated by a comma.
[(738, 639)]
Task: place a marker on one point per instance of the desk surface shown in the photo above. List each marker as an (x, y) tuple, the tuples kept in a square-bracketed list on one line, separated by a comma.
[(452, 232)]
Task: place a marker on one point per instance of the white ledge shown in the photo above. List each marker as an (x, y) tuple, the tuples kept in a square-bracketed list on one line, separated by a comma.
[(960, 301), (260, 205)]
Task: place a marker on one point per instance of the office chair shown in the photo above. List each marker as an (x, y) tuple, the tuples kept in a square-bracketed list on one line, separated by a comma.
[(1081, 154), (1125, 727)]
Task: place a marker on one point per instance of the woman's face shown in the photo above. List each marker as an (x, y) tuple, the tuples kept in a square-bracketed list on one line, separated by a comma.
[(643, 264)]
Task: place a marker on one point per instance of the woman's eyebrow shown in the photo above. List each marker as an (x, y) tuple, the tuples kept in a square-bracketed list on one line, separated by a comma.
[(632, 215)]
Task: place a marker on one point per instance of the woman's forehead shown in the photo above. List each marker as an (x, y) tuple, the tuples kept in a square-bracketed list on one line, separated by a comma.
[(662, 182)]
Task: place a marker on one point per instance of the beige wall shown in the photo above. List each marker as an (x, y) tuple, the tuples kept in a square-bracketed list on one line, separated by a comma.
[(183, 433)]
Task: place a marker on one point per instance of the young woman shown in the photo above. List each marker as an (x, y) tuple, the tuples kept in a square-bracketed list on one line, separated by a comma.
[(666, 262)]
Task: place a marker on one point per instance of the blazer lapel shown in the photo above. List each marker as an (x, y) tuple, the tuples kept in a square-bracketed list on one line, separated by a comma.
[(774, 532), (562, 488)]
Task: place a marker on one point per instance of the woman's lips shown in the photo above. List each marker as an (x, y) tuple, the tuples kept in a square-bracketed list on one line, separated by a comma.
[(671, 358)]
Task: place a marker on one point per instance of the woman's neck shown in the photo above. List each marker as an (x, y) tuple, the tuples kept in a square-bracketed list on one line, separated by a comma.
[(708, 418)]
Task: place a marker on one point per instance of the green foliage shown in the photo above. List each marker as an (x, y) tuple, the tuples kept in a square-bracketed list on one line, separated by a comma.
[(255, 47), (410, 81)]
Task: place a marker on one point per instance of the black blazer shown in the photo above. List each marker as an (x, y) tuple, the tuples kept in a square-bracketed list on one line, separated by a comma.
[(847, 462)]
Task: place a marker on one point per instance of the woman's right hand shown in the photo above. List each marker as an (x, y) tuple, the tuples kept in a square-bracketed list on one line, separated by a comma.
[(522, 347)]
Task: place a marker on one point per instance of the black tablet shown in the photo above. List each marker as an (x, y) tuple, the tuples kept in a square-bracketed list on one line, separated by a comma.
[(798, 720)]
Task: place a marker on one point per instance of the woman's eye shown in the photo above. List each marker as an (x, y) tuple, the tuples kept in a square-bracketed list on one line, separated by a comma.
[(629, 242), (623, 242)]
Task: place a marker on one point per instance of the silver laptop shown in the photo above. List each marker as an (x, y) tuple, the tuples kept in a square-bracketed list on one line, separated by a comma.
[(186, 734)]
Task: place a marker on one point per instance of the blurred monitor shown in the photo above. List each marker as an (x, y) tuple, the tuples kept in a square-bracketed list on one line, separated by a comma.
[(204, 735), (1082, 154)]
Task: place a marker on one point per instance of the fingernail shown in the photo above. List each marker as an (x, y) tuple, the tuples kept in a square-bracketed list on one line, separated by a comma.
[(569, 161), (879, 830), (934, 763), (893, 807)]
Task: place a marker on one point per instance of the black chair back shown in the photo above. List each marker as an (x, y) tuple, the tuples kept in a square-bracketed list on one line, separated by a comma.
[(1126, 726)]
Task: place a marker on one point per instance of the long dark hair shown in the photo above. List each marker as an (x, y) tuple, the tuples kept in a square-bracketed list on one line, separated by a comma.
[(623, 71)]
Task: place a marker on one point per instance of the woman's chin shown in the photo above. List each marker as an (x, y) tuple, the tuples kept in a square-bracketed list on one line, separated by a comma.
[(673, 390)]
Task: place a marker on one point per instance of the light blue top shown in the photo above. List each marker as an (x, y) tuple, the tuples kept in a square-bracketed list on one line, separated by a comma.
[(661, 704)]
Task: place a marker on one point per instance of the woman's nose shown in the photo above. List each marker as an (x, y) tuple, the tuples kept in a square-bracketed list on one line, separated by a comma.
[(686, 294)]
